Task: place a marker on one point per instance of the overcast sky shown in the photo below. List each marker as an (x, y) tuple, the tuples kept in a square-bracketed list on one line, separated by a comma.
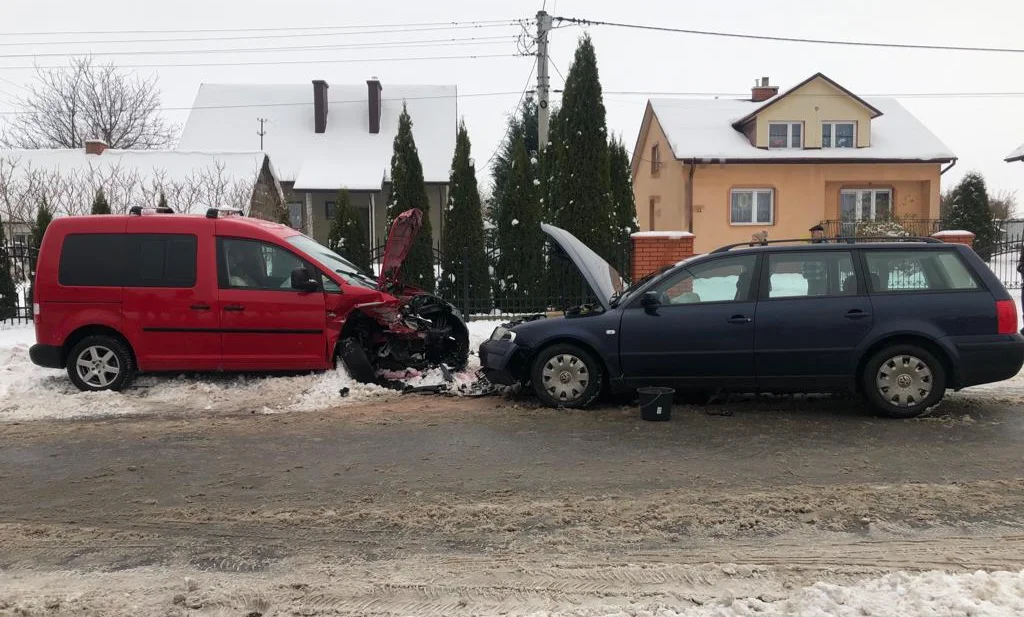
[(980, 130)]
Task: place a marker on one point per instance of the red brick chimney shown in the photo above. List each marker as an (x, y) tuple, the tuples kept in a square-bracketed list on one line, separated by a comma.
[(319, 105), (762, 91), (374, 90), (95, 146)]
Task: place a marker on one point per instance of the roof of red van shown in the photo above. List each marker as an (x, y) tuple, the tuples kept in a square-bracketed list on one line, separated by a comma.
[(175, 223)]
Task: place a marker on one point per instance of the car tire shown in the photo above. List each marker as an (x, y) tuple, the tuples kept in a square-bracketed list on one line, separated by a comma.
[(903, 381), (357, 363), (566, 375), (101, 362)]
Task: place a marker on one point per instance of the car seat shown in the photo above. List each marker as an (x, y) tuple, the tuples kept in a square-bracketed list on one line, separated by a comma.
[(850, 285), (742, 284)]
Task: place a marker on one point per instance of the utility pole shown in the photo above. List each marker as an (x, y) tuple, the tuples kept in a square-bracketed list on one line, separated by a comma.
[(543, 79), (261, 132)]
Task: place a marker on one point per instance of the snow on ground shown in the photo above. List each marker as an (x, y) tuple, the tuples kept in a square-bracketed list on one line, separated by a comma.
[(900, 594), (29, 392)]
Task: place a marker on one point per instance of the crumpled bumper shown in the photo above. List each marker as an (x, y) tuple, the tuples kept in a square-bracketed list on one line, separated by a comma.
[(502, 362)]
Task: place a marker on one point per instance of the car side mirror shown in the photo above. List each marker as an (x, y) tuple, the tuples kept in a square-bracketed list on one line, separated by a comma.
[(302, 281), (650, 300)]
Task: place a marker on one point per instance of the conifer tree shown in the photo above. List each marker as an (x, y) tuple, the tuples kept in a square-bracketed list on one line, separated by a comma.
[(409, 191), (161, 201), (346, 237), (8, 291), (99, 204), (970, 211), (624, 222), (519, 272), (581, 193), (464, 259), (44, 216)]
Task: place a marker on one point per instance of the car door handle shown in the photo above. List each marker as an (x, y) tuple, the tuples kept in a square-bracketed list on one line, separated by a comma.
[(237, 308), (200, 307), (857, 314), (739, 319)]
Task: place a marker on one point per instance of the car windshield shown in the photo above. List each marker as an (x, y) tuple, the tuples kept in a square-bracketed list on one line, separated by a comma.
[(332, 261), (621, 296)]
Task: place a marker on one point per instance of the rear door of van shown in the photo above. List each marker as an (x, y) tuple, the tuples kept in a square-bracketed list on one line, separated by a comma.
[(170, 293)]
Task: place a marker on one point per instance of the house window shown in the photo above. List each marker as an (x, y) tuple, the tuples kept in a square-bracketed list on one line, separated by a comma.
[(785, 135), (752, 207), (329, 208), (838, 134), (865, 205), (655, 160), (650, 214), (295, 214)]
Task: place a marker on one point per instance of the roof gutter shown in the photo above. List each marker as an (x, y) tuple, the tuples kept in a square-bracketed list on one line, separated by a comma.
[(689, 195), (948, 167)]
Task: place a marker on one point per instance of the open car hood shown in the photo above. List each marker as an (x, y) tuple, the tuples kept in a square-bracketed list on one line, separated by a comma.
[(400, 238), (603, 279)]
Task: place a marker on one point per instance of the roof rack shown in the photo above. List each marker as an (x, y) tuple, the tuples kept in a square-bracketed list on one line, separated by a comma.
[(848, 240), (138, 210), (212, 213)]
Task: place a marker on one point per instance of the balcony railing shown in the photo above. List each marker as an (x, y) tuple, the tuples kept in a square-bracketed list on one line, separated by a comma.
[(887, 227)]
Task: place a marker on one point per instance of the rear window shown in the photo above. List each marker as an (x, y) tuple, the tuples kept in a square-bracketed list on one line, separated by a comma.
[(128, 260), (917, 270)]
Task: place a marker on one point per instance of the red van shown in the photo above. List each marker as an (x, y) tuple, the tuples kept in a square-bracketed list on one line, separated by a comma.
[(164, 292)]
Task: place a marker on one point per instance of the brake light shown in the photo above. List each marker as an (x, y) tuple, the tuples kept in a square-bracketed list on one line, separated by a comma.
[(1006, 316)]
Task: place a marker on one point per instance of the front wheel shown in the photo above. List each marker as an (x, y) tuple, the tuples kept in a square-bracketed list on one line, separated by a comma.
[(566, 376), (101, 363), (903, 381)]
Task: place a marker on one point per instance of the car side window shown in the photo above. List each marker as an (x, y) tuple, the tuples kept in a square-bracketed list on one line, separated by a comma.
[(810, 274), (251, 264), (722, 280), (917, 270)]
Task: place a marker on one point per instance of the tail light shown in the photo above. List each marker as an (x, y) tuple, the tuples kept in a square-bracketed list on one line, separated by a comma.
[(1006, 316), (35, 312)]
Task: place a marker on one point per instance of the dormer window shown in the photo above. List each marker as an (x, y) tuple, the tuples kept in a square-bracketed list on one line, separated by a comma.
[(785, 135), (838, 134)]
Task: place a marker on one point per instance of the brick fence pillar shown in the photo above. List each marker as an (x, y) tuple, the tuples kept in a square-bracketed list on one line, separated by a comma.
[(653, 250), (956, 236)]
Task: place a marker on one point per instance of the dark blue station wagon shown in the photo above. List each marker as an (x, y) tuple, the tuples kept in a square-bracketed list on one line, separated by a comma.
[(899, 322)]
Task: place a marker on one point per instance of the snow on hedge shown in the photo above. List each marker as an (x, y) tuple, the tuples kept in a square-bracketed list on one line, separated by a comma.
[(29, 392)]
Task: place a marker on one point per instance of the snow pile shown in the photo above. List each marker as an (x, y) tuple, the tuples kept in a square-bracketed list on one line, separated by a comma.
[(29, 392), (900, 594)]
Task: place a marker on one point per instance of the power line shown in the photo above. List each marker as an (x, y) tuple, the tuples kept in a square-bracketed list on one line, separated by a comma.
[(740, 95), (310, 104), (785, 39), (263, 29), (394, 30), (485, 40), (278, 62), (508, 127)]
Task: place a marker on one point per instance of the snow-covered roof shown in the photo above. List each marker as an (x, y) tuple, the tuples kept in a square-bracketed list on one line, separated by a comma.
[(347, 154), (1016, 155), (168, 165), (703, 129)]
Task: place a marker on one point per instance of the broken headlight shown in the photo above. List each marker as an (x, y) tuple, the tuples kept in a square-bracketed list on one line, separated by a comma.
[(501, 333)]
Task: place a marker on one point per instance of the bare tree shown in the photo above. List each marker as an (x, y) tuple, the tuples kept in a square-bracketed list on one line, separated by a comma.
[(64, 107), (1003, 205)]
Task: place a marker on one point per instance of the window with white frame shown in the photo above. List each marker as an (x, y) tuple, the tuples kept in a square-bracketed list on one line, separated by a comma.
[(752, 207), (785, 135), (865, 204), (838, 134)]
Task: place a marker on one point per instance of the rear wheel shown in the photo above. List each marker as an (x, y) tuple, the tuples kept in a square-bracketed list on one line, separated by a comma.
[(101, 363), (903, 381), (566, 376)]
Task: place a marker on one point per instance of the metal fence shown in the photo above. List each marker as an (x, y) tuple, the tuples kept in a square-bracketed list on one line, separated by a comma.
[(1005, 255), (20, 260)]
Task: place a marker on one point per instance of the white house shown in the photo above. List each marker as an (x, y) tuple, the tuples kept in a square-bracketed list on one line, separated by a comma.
[(325, 138)]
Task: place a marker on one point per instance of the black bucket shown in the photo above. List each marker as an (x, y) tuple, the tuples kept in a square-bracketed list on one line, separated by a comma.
[(656, 403)]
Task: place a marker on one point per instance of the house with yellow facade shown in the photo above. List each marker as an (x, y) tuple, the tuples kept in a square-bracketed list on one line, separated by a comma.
[(779, 163)]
